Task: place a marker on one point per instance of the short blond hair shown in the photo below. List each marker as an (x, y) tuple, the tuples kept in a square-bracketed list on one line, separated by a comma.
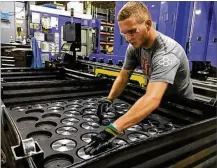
[(134, 9)]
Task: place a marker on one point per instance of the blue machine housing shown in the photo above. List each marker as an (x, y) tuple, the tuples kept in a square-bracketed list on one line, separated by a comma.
[(192, 24)]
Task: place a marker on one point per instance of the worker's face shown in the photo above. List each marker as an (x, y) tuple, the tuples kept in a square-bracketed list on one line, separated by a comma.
[(137, 34)]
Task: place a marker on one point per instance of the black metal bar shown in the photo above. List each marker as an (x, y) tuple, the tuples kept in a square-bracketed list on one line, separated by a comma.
[(52, 97), (25, 78), (39, 91), (16, 45), (36, 84), (3, 74), (75, 76), (80, 73), (8, 65), (6, 57), (18, 68)]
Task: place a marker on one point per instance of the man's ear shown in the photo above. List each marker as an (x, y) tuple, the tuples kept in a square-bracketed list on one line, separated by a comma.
[(148, 24)]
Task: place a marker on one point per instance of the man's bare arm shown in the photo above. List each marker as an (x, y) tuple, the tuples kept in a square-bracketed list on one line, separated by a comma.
[(145, 105), (119, 84)]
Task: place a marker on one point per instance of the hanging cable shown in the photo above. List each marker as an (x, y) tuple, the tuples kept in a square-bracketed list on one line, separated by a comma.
[(14, 13)]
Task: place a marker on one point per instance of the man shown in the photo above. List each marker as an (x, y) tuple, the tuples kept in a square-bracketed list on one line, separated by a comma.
[(163, 61)]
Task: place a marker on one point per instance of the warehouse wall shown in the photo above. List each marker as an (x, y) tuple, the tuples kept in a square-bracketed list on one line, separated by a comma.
[(8, 29)]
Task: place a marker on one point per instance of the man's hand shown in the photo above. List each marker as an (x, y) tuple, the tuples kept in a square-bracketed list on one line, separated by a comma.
[(103, 106), (143, 107), (101, 141)]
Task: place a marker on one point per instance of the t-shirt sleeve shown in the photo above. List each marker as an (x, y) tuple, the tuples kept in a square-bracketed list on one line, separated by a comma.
[(130, 59), (164, 68)]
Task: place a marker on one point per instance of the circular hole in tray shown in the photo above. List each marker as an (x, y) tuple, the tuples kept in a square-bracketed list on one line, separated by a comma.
[(135, 128), (108, 115), (90, 104), (87, 137), (19, 109), (153, 131), (153, 122), (63, 145), (34, 111), (70, 121), (100, 97), (27, 120), (89, 111), (170, 126), (55, 109), (90, 125), (58, 161), (121, 105), (76, 101), (74, 106), (66, 130), (90, 117), (85, 98), (40, 135), (91, 99), (51, 116), (137, 136), (107, 121), (81, 154), (119, 141), (71, 113), (59, 103), (111, 109), (46, 125), (39, 106), (121, 111)]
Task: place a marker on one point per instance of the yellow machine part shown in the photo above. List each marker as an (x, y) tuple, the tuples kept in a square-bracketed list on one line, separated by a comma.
[(140, 78)]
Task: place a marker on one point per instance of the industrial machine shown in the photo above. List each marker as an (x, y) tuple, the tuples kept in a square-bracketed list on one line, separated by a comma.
[(47, 123), (67, 56)]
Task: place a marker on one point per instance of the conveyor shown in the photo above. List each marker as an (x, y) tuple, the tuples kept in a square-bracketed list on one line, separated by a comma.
[(47, 123)]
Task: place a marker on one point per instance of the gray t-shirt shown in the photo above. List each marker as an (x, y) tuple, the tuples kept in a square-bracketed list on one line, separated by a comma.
[(165, 61)]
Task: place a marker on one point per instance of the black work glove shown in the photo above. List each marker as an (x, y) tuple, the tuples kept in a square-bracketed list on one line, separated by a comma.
[(103, 106), (101, 141)]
